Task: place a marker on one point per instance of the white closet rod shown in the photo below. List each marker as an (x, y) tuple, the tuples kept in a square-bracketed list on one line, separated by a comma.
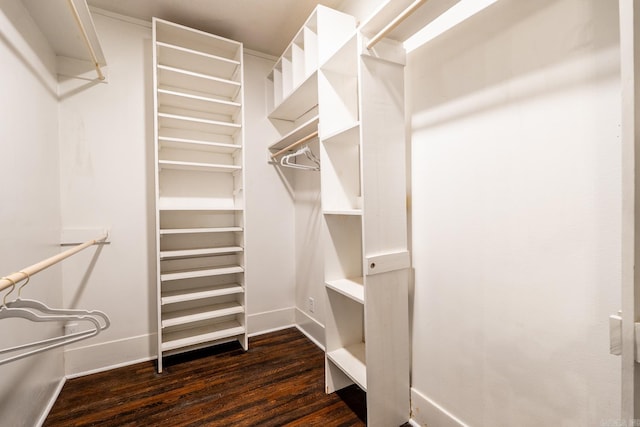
[(295, 144), (393, 24), (13, 278), (83, 31)]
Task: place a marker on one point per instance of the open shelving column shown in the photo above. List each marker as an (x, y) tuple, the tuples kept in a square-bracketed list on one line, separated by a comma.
[(363, 185), (201, 270)]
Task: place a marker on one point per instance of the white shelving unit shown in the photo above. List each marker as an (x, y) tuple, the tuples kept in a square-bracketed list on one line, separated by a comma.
[(201, 270), (362, 152), (327, 81), (292, 85)]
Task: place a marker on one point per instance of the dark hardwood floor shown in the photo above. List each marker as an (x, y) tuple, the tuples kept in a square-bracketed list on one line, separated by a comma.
[(279, 381)]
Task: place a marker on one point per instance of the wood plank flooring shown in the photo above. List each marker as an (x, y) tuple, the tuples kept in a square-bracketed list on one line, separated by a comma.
[(279, 381)]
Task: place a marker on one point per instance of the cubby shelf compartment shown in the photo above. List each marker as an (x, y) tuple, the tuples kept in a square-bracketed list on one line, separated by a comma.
[(206, 272), (169, 231), (200, 314), (187, 101), (200, 335), (350, 134), (197, 83), (351, 360), (351, 288), (193, 60), (184, 295), (175, 121), (192, 166), (302, 99), (300, 131), (198, 145)]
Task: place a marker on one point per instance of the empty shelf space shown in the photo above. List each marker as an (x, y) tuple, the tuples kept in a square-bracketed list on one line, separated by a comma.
[(200, 335), (196, 204), (351, 212), (351, 288), (296, 134), (175, 121), (182, 57), (189, 253), (197, 82), (192, 166), (299, 101), (198, 145), (206, 272), (178, 99), (351, 360), (167, 231), (199, 314), (350, 134), (184, 295)]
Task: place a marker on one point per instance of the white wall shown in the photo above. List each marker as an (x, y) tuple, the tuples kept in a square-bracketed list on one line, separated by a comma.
[(106, 156), (516, 217), (270, 219), (30, 211)]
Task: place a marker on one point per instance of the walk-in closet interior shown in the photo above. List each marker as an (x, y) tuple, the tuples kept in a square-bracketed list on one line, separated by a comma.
[(439, 195)]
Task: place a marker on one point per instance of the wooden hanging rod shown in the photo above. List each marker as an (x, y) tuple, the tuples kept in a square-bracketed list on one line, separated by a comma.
[(295, 144), (14, 278), (83, 31), (397, 21)]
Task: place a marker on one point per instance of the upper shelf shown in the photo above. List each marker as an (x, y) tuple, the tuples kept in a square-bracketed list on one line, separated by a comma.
[(56, 21), (296, 134)]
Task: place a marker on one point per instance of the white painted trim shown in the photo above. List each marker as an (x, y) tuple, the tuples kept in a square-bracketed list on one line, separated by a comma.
[(310, 327), (52, 401), (280, 328), (268, 321), (108, 368), (413, 423), (103, 356), (426, 412), (260, 54)]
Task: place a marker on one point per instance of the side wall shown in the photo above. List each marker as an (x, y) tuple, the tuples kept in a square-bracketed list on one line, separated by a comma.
[(30, 211), (516, 217)]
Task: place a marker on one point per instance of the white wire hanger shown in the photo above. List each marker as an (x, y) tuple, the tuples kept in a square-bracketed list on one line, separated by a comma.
[(289, 160), (22, 308)]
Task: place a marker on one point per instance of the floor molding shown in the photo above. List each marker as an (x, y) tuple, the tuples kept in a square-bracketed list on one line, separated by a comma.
[(52, 401)]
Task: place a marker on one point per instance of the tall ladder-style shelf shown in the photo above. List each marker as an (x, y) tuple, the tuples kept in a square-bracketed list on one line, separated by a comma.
[(198, 96), (363, 187)]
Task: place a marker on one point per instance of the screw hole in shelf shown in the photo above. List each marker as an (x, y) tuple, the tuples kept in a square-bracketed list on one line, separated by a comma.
[(372, 265)]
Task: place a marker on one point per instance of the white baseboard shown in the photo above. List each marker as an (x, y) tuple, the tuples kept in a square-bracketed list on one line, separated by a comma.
[(52, 401), (270, 321), (309, 326), (426, 412), (100, 357), (413, 423)]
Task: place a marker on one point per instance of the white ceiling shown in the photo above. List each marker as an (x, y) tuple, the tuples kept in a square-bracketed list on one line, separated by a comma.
[(263, 25)]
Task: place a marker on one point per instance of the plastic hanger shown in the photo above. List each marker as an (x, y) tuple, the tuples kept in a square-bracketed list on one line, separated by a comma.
[(286, 161), (50, 343)]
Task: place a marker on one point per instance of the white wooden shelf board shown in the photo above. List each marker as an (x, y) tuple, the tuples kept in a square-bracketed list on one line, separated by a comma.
[(196, 204), (171, 77), (167, 231), (177, 56), (176, 121), (184, 295), (197, 145), (301, 131), (351, 288), (214, 311), (299, 101), (207, 272), (192, 166), (175, 98), (189, 253), (347, 135), (352, 212), (199, 335), (351, 360)]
